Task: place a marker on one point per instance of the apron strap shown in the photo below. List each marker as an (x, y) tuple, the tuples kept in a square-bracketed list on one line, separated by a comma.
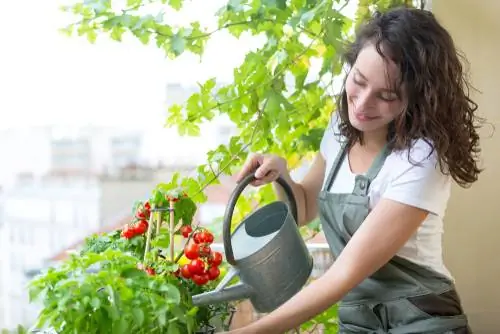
[(336, 166), (378, 163), (362, 182)]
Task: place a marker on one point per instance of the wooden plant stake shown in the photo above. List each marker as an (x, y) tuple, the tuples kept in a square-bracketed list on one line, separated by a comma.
[(150, 229), (172, 231), (158, 223)]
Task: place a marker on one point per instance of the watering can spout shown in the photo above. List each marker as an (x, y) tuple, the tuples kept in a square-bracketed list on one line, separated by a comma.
[(232, 293), (224, 293)]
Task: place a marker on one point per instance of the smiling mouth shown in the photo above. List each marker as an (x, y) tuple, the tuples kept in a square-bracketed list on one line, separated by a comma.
[(364, 117)]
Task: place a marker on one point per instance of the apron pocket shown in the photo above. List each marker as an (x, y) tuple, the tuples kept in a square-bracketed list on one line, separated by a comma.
[(443, 305), (412, 309), (402, 312)]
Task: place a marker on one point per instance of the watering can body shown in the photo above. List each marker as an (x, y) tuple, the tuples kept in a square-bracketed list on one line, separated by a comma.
[(266, 251)]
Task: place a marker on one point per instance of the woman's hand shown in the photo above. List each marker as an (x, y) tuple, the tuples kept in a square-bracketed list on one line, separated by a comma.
[(267, 168)]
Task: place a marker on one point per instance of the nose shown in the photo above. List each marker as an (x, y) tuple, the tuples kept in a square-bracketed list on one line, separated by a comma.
[(363, 100)]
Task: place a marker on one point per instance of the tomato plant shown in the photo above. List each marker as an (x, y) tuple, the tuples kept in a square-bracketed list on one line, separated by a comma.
[(138, 279)]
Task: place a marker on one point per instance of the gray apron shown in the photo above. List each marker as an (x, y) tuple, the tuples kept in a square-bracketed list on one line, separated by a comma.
[(401, 297)]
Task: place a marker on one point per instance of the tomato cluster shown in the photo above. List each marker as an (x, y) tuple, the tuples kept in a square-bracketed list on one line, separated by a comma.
[(175, 198), (140, 224), (204, 264)]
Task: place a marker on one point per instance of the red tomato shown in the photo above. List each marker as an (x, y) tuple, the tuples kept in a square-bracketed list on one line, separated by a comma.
[(186, 230), (205, 250), (141, 227), (185, 272), (128, 232), (150, 271), (200, 279), (196, 237), (196, 267), (191, 251), (215, 259), (207, 237), (147, 206), (213, 273)]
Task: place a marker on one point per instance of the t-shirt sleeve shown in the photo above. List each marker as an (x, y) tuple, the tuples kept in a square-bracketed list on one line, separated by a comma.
[(419, 182)]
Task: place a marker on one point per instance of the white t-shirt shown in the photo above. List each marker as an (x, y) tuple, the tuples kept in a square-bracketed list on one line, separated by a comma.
[(421, 185)]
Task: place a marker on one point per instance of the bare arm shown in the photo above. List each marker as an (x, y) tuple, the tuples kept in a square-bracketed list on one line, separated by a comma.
[(306, 192), (383, 233)]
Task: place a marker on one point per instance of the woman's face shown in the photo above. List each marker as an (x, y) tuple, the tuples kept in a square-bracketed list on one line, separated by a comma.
[(372, 101)]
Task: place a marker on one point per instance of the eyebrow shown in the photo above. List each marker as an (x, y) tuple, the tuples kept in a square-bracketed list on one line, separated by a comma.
[(358, 72)]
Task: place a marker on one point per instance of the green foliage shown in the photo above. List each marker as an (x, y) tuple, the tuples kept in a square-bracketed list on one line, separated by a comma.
[(327, 321), (281, 96), (106, 293), (98, 243), (279, 102), (128, 281)]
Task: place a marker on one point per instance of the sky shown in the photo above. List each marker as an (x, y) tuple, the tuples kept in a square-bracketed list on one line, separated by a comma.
[(49, 78)]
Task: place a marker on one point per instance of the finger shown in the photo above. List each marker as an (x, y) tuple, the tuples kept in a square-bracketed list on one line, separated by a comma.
[(247, 166), (252, 162), (271, 176), (263, 170)]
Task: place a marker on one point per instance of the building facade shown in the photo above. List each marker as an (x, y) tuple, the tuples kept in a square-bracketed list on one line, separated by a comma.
[(42, 218)]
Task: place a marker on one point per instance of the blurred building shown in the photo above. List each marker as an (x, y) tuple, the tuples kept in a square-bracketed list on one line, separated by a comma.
[(79, 181), (41, 217), (96, 150)]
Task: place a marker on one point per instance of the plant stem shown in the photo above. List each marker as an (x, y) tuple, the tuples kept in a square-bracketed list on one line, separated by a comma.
[(158, 224), (187, 242)]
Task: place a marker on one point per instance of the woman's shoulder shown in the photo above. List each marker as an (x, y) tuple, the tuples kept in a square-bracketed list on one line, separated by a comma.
[(415, 177), (420, 153)]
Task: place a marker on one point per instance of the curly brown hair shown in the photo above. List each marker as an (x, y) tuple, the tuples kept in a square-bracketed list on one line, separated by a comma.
[(439, 108)]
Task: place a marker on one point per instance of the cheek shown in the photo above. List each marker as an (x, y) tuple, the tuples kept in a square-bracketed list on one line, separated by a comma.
[(351, 89), (390, 111)]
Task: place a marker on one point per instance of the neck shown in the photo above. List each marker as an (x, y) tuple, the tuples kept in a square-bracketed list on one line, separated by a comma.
[(374, 140)]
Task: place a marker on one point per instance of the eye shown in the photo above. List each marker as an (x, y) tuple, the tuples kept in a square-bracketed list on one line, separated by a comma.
[(356, 81), (388, 97)]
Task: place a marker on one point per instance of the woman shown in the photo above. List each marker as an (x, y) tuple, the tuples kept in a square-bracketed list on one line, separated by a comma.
[(405, 129)]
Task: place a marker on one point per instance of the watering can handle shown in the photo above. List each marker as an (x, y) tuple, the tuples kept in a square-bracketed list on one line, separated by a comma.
[(228, 215)]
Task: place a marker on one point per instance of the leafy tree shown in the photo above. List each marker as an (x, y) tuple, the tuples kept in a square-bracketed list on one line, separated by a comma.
[(279, 101), (281, 95)]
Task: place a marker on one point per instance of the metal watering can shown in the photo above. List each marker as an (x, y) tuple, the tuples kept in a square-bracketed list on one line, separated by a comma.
[(266, 251)]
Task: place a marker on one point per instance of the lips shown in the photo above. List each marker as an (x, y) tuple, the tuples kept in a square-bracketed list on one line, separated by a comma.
[(363, 117)]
